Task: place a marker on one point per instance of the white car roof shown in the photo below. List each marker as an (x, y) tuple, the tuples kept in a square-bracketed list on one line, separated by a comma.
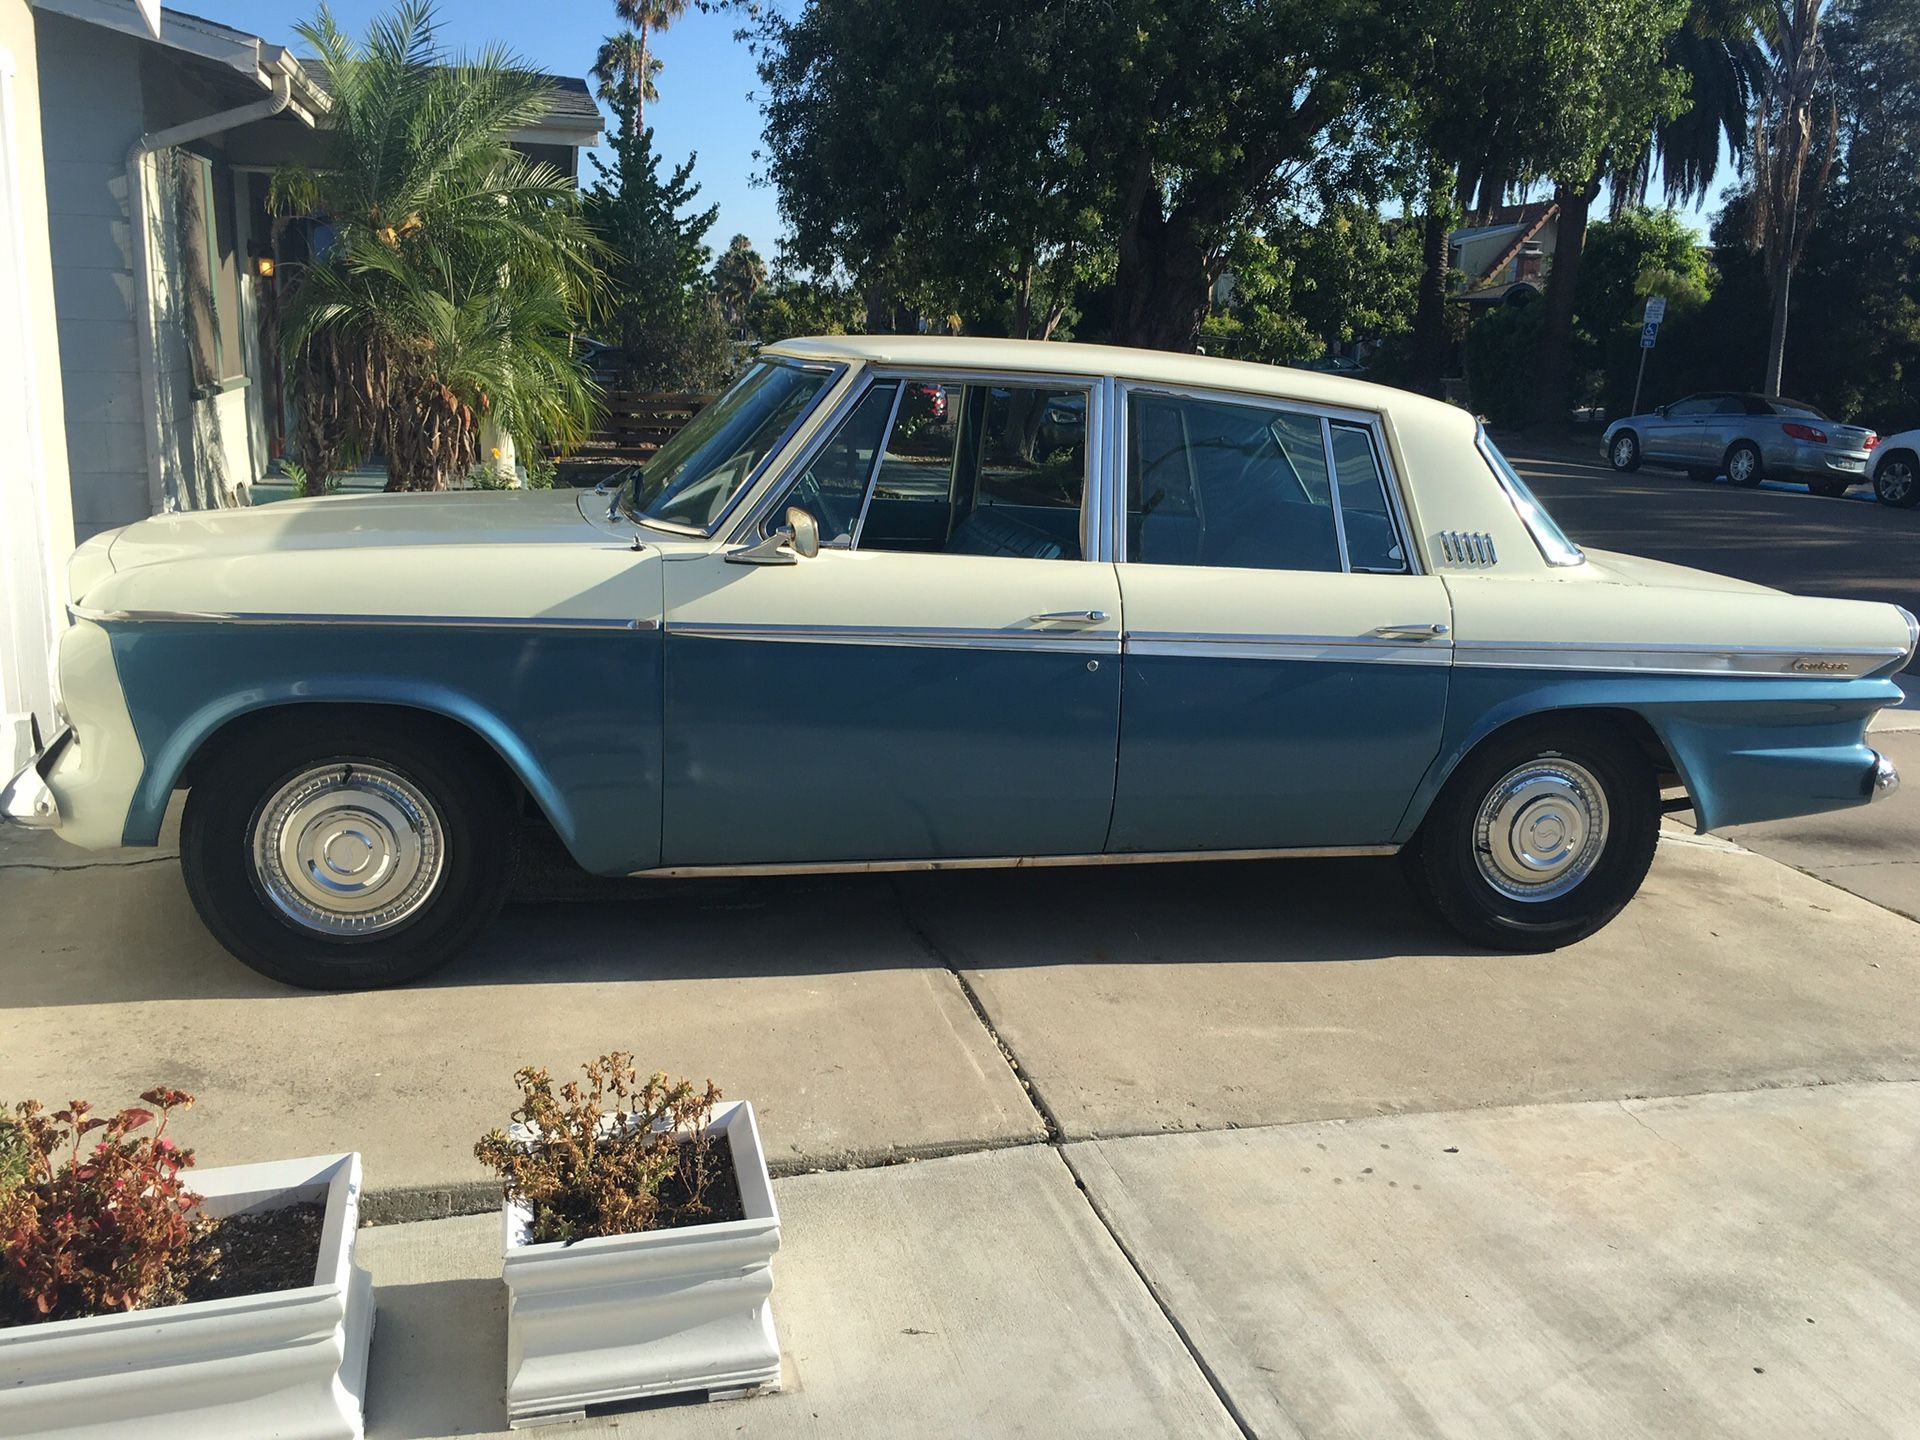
[(942, 352)]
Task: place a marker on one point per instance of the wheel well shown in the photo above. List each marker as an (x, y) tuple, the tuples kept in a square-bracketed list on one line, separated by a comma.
[(1897, 450), (410, 717), (1629, 725)]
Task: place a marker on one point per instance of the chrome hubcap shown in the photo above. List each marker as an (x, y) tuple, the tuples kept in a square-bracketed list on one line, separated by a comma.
[(1622, 451), (1541, 829), (1740, 466), (1896, 481), (349, 849)]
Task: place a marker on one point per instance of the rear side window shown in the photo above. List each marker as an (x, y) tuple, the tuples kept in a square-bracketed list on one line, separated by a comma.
[(1372, 542)]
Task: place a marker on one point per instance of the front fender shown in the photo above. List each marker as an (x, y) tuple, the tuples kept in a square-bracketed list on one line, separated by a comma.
[(1747, 748), (575, 715)]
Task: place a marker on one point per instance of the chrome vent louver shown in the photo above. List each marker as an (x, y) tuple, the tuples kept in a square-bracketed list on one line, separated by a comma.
[(1468, 547)]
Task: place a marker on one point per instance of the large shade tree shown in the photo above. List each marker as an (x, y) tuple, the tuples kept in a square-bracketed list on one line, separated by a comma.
[(458, 267)]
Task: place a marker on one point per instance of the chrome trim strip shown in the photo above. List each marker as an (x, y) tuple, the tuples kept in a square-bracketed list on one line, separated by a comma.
[(936, 637), (1336, 649), (1012, 862), (462, 622), (1778, 661), (825, 438), (1913, 630)]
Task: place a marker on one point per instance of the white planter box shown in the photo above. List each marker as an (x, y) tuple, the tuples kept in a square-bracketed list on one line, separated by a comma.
[(623, 1317), (292, 1364)]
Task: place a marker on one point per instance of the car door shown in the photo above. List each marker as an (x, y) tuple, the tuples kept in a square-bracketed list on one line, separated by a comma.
[(1674, 438), (940, 681), (1286, 666)]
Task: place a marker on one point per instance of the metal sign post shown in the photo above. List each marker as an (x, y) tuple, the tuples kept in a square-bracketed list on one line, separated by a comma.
[(1649, 332)]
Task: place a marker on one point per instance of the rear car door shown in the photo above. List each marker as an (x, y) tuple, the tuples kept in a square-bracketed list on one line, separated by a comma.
[(1287, 664), (941, 681)]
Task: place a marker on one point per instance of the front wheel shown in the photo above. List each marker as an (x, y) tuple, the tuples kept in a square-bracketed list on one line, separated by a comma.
[(1624, 452), (1540, 837), (1743, 464), (1897, 481), (341, 853)]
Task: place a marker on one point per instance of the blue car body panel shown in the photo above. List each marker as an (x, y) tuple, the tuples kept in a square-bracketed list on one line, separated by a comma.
[(1747, 748), (1226, 754), (788, 752), (574, 713)]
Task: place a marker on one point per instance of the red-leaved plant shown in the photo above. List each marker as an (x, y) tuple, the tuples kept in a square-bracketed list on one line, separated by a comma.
[(100, 1218)]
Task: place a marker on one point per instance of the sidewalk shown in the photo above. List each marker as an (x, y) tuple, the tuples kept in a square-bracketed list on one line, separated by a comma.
[(1723, 1265)]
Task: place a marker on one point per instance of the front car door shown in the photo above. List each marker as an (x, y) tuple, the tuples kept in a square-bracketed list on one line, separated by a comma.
[(942, 680), (1286, 664), (1675, 438)]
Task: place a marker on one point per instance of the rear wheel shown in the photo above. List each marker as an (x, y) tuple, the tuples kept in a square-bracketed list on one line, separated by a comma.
[(1897, 481), (1624, 452), (1743, 463), (1540, 837), (339, 854)]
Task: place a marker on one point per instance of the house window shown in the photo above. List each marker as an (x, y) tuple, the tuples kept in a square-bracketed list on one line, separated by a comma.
[(209, 274)]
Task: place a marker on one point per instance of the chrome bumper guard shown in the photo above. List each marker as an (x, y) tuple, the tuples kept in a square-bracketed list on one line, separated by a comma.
[(26, 800), (1882, 779)]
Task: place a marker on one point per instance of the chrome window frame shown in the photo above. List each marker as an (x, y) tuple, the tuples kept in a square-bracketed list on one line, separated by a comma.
[(835, 372), (1328, 416), (1095, 537), (1546, 542)]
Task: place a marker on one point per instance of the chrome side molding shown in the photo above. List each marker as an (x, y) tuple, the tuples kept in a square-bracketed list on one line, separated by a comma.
[(1007, 862)]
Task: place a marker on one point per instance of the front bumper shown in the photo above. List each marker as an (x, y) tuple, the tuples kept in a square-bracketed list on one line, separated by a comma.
[(1882, 779), (27, 799)]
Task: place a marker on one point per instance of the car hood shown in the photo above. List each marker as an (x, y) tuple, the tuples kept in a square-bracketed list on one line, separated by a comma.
[(1620, 569), (358, 522)]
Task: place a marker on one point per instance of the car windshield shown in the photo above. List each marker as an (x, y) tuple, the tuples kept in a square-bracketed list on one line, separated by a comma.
[(1552, 540), (694, 477)]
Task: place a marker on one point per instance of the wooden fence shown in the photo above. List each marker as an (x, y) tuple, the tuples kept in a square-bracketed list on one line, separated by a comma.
[(637, 423)]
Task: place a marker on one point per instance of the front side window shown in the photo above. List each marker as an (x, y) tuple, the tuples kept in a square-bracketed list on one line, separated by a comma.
[(1693, 405), (1221, 484), (963, 468), (694, 477)]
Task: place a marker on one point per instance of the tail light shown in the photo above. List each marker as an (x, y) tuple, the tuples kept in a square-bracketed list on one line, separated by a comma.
[(1795, 430)]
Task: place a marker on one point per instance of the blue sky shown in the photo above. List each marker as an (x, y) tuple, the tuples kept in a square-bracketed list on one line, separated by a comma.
[(705, 89)]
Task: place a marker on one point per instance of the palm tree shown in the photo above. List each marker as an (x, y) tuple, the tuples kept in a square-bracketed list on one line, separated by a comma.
[(1784, 203), (619, 59), (644, 17), (737, 277), (458, 269), (1717, 49)]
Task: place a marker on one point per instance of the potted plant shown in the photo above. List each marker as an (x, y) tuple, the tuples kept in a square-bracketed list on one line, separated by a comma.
[(639, 1231), (131, 1303)]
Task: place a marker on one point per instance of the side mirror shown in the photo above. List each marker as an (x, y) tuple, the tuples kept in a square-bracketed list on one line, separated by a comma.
[(1661, 411), (798, 538), (804, 532)]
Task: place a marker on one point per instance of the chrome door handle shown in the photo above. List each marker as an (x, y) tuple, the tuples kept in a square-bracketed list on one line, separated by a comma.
[(1411, 632), (1068, 617)]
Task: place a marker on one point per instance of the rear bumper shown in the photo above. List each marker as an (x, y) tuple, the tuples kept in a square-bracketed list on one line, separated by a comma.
[(1882, 779), (1816, 462)]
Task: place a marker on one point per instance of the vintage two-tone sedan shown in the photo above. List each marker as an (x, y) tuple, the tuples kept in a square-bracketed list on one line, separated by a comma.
[(902, 603)]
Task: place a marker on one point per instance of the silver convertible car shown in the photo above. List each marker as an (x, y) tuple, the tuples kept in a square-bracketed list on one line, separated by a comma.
[(1747, 438), (1228, 612)]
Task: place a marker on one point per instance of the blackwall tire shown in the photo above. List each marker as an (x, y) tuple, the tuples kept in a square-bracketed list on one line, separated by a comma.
[(1485, 858), (1742, 464), (341, 853)]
